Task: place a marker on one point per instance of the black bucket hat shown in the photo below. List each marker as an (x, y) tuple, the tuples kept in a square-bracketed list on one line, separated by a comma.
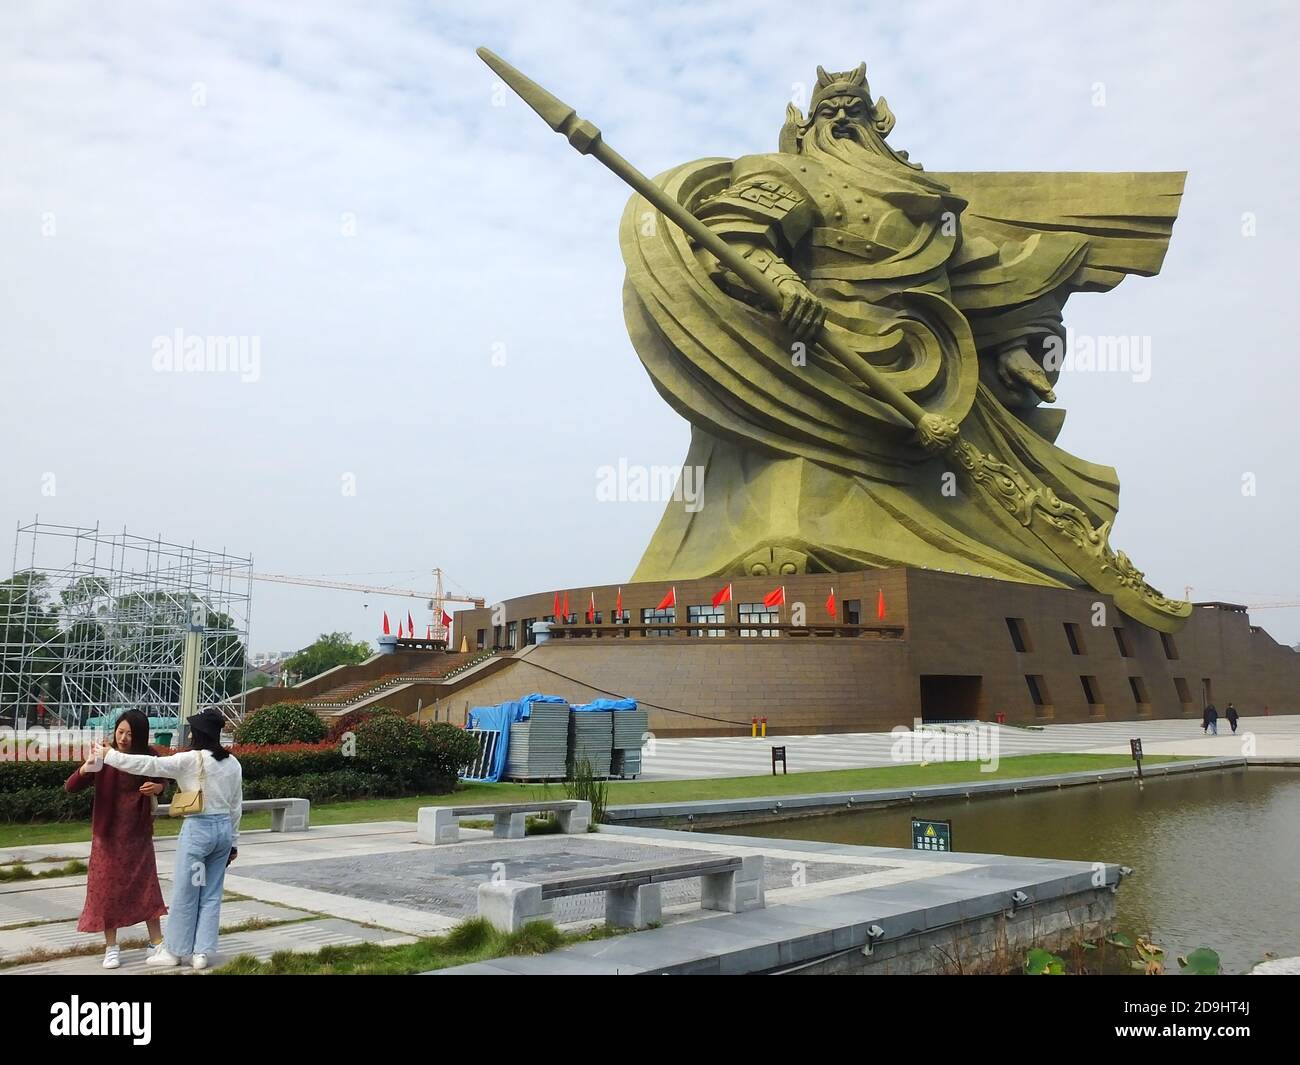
[(207, 723)]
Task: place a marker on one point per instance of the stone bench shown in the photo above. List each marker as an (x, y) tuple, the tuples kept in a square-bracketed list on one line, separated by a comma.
[(441, 824), (633, 890), (287, 815)]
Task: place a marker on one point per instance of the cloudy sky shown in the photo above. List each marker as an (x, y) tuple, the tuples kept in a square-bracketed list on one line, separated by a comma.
[(432, 278)]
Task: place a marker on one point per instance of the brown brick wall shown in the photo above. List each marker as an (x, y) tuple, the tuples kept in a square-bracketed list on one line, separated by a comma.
[(955, 625)]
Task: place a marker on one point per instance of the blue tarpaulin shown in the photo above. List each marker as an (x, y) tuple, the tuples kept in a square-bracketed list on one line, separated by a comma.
[(605, 706), (499, 718)]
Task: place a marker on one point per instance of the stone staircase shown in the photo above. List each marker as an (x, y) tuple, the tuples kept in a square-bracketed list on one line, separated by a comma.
[(344, 696)]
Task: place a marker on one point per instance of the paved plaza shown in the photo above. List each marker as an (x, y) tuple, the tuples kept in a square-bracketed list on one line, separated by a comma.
[(374, 882)]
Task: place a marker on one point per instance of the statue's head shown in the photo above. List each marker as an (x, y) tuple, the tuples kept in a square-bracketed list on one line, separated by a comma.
[(841, 114)]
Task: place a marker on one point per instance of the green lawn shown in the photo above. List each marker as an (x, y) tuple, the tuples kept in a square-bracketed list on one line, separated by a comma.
[(635, 791)]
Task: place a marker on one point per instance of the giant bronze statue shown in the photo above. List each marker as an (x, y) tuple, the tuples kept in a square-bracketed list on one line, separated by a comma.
[(863, 350)]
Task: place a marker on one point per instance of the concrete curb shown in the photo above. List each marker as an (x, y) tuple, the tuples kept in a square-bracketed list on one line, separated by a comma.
[(779, 805)]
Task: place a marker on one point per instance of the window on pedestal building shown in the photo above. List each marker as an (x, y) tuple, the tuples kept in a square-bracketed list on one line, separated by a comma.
[(512, 635), (659, 617), (1121, 641), (1171, 648), (852, 611), (1184, 692), (1037, 690), (478, 641), (1139, 687), (758, 614), (1091, 690), (1019, 635), (528, 630), (621, 617), (701, 615), (1074, 637), (496, 635)]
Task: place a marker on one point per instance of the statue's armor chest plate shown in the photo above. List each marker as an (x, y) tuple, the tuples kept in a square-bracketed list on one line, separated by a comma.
[(860, 232)]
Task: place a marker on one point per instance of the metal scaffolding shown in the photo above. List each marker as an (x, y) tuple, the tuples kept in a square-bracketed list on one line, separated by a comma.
[(95, 622)]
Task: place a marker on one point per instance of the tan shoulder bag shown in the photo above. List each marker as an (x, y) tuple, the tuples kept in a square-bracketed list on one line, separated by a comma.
[(185, 803)]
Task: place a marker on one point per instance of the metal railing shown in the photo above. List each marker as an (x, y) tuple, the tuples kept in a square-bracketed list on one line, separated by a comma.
[(727, 630)]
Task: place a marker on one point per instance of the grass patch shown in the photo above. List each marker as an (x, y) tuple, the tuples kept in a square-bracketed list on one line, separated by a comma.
[(623, 792), (471, 941), (84, 950), (23, 871)]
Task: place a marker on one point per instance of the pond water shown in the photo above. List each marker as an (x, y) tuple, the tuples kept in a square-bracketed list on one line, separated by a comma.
[(1216, 856)]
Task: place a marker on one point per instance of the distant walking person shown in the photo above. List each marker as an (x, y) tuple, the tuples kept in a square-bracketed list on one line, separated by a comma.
[(208, 840), (1231, 715), (1212, 720)]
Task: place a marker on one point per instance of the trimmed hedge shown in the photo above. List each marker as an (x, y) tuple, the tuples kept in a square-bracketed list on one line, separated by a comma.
[(281, 723), (391, 756), (416, 757), (45, 804), (322, 787), (348, 722)]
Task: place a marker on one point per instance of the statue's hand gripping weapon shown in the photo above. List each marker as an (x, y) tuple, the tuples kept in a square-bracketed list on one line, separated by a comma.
[(1062, 527)]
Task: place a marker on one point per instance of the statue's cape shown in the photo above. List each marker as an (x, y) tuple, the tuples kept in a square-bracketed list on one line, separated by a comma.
[(1028, 241), (1119, 223)]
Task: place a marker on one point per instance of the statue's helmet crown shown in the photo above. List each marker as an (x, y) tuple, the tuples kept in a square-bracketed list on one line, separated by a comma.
[(845, 83)]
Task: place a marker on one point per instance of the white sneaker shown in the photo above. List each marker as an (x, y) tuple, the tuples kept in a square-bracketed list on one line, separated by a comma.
[(112, 957), (162, 959), (199, 961)]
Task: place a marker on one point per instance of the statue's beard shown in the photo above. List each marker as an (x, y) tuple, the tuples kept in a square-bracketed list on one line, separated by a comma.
[(860, 146)]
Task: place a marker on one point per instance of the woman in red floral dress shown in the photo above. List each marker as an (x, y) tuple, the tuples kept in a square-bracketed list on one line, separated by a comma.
[(122, 886)]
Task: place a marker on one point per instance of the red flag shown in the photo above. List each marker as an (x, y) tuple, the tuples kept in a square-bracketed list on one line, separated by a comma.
[(618, 604), (387, 630), (446, 620), (557, 607), (723, 596), (830, 602), (880, 603), (669, 600), (591, 610), (776, 598), (428, 633), (399, 630), (567, 611), (410, 624)]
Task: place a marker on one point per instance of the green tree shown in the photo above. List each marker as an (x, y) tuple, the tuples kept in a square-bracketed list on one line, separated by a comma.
[(330, 649), (29, 617)]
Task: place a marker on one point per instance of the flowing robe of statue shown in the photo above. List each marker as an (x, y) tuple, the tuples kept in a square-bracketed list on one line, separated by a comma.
[(950, 283)]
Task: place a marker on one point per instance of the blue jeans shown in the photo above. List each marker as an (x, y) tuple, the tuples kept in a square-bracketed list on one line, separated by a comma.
[(195, 913), (1214, 728)]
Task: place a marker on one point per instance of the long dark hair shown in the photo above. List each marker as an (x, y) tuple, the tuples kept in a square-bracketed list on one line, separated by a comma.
[(204, 741), (139, 725)]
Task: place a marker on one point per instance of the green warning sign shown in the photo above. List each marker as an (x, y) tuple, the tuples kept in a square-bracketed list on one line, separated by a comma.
[(931, 835)]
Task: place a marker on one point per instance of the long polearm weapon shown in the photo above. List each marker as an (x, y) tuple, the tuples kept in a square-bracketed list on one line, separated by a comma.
[(1066, 530)]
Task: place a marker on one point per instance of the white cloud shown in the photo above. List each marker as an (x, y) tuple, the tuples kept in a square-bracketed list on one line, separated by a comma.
[(476, 226)]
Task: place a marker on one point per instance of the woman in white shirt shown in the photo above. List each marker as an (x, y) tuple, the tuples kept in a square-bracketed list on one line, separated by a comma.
[(208, 841)]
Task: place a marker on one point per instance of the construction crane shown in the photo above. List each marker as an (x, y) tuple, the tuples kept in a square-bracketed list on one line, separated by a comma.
[(436, 600)]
